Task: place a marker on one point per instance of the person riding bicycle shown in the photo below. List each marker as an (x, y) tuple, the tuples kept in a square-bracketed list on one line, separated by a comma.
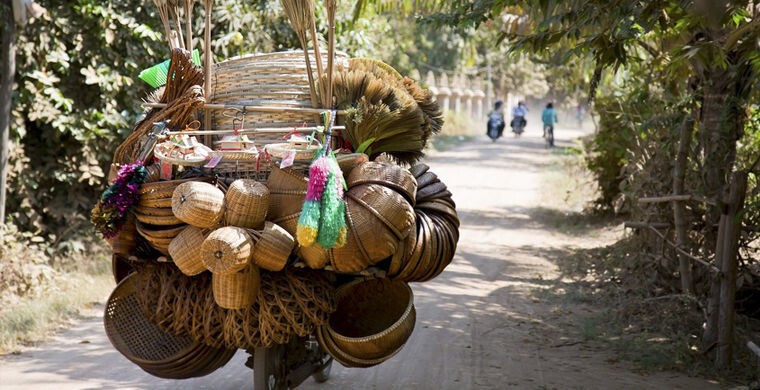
[(518, 116), (496, 119), (549, 117)]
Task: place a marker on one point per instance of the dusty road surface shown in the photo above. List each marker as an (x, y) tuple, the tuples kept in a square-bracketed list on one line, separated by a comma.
[(480, 324)]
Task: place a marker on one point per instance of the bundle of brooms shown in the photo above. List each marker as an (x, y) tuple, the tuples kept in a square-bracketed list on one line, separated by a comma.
[(385, 112)]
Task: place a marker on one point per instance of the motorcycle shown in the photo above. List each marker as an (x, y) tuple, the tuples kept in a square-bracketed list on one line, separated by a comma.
[(518, 125), (495, 127)]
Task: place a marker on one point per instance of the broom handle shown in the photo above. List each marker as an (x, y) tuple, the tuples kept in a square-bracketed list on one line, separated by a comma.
[(207, 64), (313, 22), (189, 25), (332, 4)]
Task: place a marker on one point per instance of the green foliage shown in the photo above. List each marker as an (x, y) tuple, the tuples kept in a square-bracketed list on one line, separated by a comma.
[(76, 97)]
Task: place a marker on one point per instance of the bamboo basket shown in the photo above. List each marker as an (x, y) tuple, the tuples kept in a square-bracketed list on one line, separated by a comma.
[(386, 174), (246, 204), (274, 79), (373, 320), (199, 204), (273, 248), (185, 252), (226, 250), (236, 290), (287, 192), (159, 353), (386, 205)]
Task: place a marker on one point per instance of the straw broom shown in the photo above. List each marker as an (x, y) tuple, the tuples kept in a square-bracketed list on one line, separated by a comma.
[(298, 11)]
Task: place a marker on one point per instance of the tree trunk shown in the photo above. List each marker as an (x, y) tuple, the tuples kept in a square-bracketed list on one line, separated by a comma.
[(679, 208), (7, 74), (729, 234), (719, 130)]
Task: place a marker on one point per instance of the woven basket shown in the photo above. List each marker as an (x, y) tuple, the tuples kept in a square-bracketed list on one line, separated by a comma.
[(282, 150), (374, 318), (163, 189), (347, 162), (198, 204), (273, 247), (376, 240), (226, 250), (387, 205), (328, 344), (273, 79), (352, 257), (246, 202), (125, 242), (185, 253), (154, 211), (386, 174), (158, 237), (287, 192), (236, 290), (290, 303), (159, 353)]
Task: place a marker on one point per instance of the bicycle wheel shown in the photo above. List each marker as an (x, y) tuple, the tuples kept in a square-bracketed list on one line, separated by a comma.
[(550, 136)]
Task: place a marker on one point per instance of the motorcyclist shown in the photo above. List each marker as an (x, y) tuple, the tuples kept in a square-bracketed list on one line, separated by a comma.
[(496, 119), (518, 115)]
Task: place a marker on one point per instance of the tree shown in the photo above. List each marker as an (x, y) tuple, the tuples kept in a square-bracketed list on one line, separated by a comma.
[(710, 51)]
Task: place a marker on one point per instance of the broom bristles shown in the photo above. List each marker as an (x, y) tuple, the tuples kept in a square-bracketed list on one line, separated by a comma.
[(299, 13)]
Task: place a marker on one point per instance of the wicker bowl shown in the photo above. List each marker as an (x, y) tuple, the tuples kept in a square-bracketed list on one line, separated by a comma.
[(386, 205), (246, 204), (226, 250), (328, 344), (387, 174), (285, 149), (376, 241), (199, 204), (159, 237), (374, 318)]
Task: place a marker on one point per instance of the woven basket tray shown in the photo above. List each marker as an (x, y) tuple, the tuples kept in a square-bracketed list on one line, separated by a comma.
[(274, 79)]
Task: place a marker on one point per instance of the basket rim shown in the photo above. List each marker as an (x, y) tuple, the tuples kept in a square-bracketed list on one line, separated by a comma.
[(390, 329)]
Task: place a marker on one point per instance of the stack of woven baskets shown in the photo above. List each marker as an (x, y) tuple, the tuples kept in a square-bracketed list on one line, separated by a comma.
[(230, 273)]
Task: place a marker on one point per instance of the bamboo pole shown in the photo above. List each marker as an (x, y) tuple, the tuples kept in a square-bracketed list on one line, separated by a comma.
[(679, 209), (207, 65), (252, 108), (251, 131)]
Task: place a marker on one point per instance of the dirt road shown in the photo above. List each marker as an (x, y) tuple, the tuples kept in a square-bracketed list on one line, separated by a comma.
[(480, 325)]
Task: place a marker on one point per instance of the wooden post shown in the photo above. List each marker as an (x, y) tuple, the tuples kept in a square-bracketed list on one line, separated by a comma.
[(729, 232), (6, 96)]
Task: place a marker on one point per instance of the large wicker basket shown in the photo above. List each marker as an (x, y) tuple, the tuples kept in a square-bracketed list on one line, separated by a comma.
[(159, 353), (373, 320)]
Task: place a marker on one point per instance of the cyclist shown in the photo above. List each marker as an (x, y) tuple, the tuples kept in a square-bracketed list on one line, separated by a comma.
[(549, 117)]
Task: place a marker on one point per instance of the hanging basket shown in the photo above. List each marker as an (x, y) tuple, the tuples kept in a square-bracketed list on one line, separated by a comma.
[(199, 204), (246, 204), (184, 251), (236, 290), (273, 247), (226, 250)]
